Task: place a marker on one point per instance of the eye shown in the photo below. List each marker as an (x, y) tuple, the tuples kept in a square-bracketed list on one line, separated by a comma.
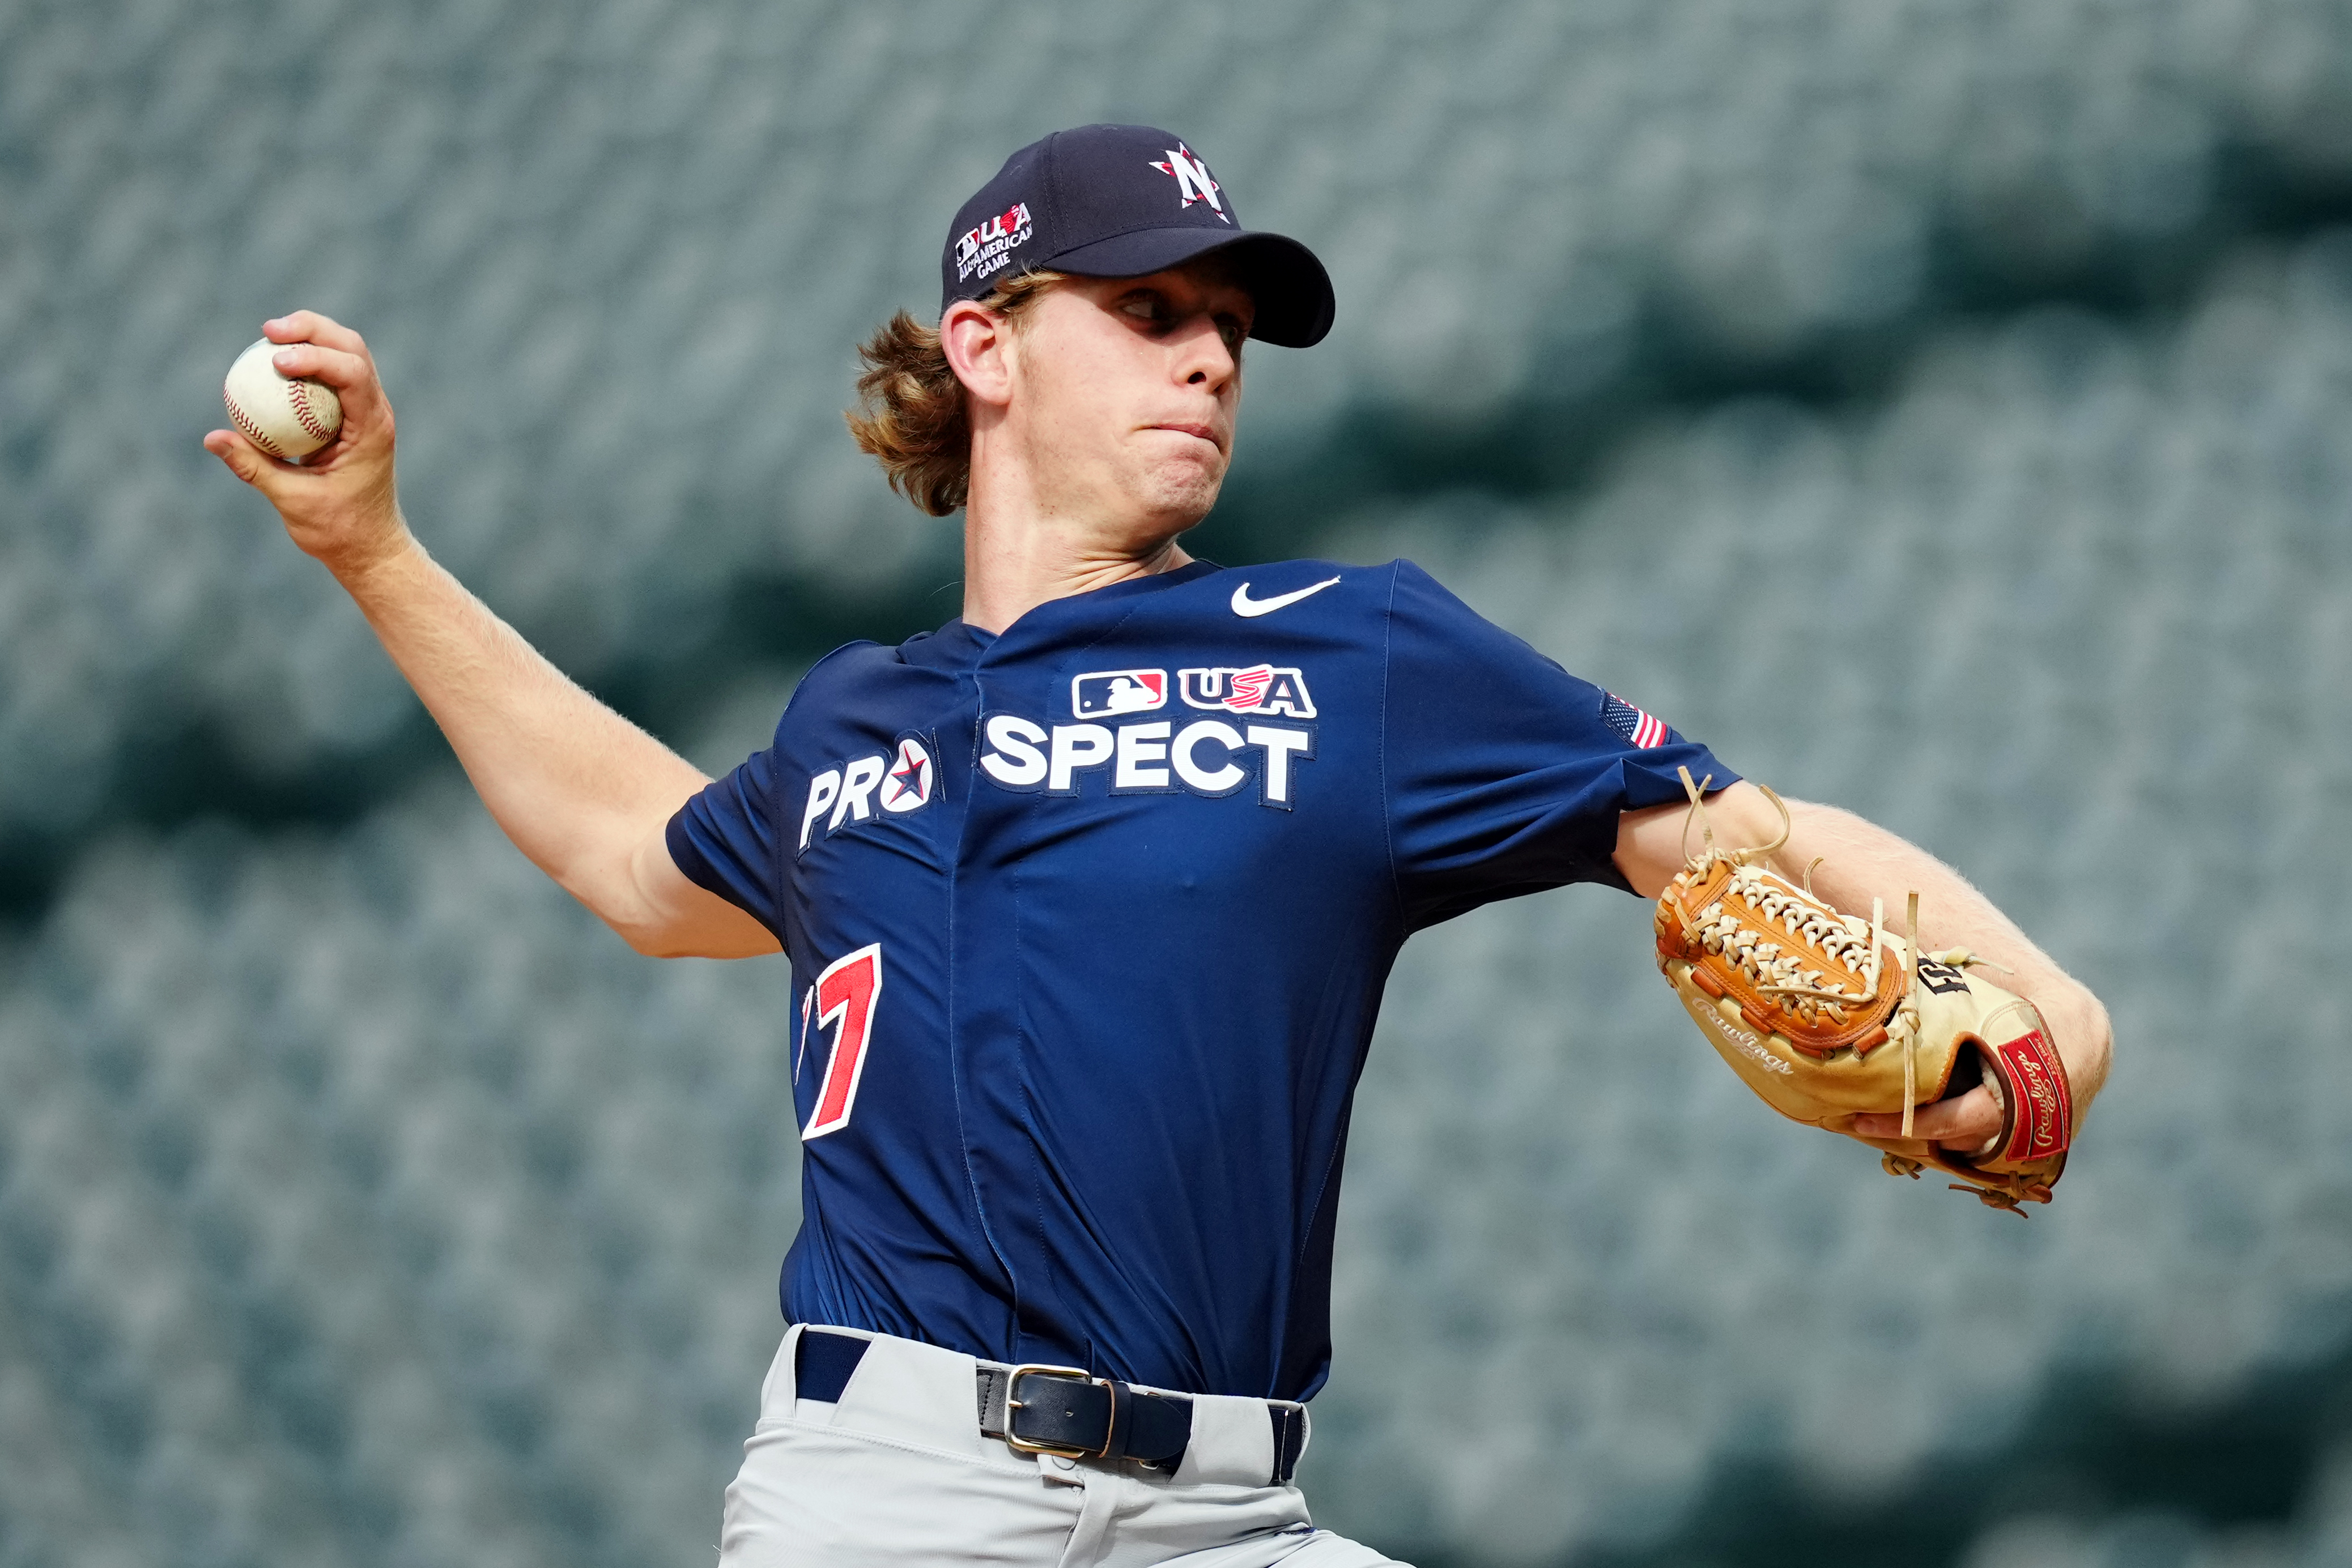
[(1232, 329), (1145, 306)]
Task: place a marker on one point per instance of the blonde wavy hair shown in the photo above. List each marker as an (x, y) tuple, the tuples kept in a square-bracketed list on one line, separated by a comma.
[(911, 414)]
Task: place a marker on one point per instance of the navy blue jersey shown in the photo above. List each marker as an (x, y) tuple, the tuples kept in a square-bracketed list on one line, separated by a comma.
[(1088, 923)]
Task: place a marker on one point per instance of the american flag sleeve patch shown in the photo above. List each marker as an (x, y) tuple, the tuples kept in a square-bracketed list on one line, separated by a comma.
[(1641, 730)]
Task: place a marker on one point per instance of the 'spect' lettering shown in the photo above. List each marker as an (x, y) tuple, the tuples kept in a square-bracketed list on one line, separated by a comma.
[(1207, 757)]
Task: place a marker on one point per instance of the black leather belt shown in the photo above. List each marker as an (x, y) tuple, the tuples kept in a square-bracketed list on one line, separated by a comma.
[(1059, 1409)]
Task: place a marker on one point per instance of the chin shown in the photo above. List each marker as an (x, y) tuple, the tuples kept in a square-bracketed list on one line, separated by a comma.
[(1180, 499)]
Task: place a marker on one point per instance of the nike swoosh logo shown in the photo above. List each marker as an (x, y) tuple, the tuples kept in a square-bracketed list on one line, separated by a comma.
[(1244, 605)]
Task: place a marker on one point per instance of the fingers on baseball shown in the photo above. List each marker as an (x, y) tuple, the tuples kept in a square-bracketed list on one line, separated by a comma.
[(342, 371), (238, 455), (309, 327), (250, 463)]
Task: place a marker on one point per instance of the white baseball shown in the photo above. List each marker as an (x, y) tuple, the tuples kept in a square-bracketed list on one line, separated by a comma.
[(283, 416)]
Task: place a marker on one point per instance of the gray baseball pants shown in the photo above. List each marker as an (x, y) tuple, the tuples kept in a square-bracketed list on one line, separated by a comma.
[(896, 1473)]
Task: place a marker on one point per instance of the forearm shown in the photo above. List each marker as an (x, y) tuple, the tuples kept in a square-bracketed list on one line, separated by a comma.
[(578, 788), (1861, 861)]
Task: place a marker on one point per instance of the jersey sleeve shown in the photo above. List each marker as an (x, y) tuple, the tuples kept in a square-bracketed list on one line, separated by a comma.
[(1504, 773), (726, 839)]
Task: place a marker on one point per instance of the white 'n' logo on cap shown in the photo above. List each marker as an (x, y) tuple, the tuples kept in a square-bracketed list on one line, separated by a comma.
[(1192, 179)]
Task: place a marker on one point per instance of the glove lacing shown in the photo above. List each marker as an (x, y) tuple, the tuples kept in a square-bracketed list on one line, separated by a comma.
[(1811, 922)]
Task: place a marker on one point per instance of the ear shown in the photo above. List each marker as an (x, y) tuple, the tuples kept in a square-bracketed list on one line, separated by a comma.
[(980, 350)]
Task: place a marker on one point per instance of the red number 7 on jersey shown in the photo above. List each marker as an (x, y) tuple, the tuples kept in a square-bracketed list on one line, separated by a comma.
[(844, 994)]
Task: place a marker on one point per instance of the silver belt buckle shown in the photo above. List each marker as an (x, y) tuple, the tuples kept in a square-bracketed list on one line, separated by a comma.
[(1012, 1403)]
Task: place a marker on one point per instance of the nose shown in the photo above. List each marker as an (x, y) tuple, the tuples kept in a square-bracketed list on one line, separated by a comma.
[(1202, 360)]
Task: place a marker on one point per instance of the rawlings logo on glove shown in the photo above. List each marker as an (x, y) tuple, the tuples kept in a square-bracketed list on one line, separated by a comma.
[(1826, 1017)]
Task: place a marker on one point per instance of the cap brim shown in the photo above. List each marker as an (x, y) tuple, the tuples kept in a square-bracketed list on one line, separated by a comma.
[(1289, 285)]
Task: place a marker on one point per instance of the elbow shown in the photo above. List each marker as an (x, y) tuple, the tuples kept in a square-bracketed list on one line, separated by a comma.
[(2098, 1028), (688, 938), (2103, 1044), (2086, 1044), (615, 899), (649, 940), (672, 918), (633, 919)]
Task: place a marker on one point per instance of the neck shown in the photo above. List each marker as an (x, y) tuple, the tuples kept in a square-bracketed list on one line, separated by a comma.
[(1018, 554)]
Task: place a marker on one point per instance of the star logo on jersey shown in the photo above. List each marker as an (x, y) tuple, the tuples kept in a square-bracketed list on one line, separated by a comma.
[(1192, 182), (908, 786), (1102, 692)]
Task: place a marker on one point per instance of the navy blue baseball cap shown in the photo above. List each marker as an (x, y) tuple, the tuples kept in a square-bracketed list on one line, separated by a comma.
[(1120, 201)]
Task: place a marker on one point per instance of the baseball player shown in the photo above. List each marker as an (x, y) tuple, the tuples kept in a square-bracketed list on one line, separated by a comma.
[(1089, 896)]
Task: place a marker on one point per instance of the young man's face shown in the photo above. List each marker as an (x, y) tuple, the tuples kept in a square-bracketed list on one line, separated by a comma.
[(1126, 392)]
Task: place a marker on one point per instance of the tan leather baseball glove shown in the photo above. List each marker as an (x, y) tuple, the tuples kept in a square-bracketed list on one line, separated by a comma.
[(1826, 1017)]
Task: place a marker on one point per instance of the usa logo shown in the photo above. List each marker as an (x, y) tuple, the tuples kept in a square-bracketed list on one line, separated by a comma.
[(1103, 693), (1260, 688), (908, 786), (1192, 182), (982, 250)]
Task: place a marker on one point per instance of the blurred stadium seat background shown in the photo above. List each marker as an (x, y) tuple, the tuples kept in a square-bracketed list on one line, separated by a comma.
[(1944, 407)]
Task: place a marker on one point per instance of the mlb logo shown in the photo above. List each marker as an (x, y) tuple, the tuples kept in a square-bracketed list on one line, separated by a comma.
[(1105, 693)]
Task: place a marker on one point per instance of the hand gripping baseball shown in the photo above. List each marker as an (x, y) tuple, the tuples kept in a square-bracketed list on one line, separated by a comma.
[(1832, 1019), (339, 502)]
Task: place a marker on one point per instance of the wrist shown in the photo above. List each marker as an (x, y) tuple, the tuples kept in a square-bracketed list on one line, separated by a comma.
[(362, 568)]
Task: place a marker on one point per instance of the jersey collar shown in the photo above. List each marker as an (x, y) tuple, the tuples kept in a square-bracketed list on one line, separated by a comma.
[(956, 646)]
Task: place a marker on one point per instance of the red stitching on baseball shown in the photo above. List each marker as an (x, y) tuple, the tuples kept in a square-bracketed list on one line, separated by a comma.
[(303, 414), (252, 431)]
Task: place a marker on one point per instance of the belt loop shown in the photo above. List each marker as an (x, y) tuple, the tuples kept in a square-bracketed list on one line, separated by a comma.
[(784, 1367), (995, 1387), (1289, 1439)]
